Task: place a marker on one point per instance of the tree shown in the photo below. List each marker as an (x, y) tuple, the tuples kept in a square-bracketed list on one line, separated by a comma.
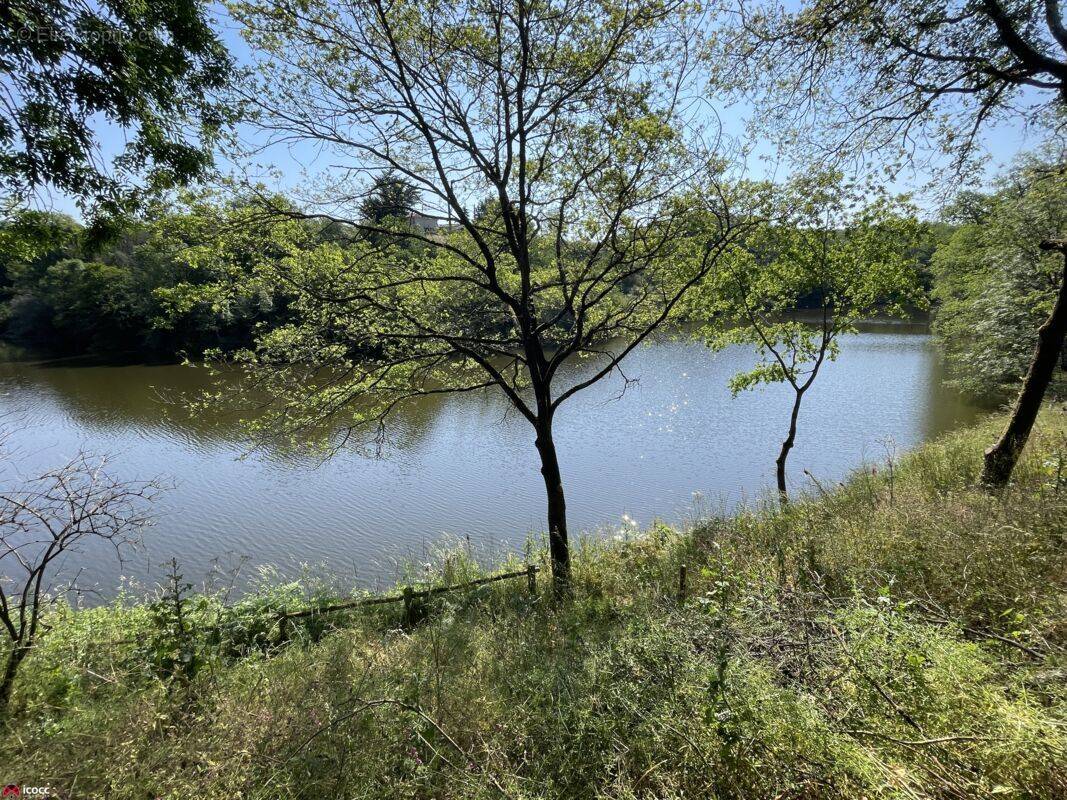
[(860, 77), (574, 115), (994, 286), (151, 69), (818, 247), (1001, 458), (46, 519), (390, 197), (896, 73), (89, 301), (67, 291)]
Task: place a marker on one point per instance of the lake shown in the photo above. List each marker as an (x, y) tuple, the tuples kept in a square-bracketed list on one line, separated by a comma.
[(672, 446)]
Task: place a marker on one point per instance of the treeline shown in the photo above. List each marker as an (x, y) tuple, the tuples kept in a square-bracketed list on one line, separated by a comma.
[(65, 289), (133, 287)]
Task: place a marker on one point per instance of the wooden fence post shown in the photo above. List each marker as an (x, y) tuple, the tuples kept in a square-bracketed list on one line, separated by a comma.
[(681, 584), (408, 615), (531, 579), (283, 629)]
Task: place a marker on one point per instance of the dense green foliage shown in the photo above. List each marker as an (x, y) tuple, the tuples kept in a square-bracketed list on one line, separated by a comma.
[(205, 274), (149, 71), (993, 285), (64, 288), (65, 292), (901, 636)]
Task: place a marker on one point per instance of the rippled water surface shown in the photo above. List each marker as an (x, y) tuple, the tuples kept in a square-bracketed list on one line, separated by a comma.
[(460, 466)]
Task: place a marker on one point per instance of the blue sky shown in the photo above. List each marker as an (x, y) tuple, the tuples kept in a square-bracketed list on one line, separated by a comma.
[(299, 164)]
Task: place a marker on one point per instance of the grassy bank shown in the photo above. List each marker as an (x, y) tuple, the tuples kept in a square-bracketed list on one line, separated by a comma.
[(899, 636)]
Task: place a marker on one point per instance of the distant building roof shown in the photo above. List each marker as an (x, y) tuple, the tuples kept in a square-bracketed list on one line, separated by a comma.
[(430, 223)]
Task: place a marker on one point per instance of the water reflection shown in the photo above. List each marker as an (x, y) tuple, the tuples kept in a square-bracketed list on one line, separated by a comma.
[(463, 465)]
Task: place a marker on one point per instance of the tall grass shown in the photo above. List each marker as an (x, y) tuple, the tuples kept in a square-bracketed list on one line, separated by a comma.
[(899, 636)]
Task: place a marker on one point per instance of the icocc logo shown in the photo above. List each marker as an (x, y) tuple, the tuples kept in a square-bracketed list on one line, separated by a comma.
[(13, 790)]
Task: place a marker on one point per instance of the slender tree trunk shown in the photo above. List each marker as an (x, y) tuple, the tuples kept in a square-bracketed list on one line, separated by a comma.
[(1000, 459), (14, 659), (559, 548), (787, 445)]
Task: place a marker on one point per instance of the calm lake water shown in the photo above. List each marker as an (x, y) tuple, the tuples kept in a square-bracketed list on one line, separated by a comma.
[(459, 467)]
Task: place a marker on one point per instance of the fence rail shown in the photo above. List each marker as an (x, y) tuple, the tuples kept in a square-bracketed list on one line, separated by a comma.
[(409, 594), (406, 597)]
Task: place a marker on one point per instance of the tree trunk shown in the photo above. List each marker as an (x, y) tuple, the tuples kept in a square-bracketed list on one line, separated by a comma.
[(787, 445), (14, 659), (559, 549), (1000, 459)]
